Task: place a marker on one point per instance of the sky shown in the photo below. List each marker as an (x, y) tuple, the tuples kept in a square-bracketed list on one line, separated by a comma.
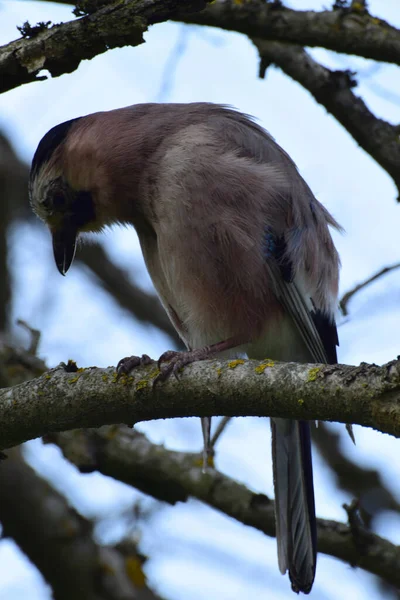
[(196, 552)]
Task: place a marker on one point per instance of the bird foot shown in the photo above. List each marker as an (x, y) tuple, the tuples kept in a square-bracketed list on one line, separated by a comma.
[(127, 364), (178, 360)]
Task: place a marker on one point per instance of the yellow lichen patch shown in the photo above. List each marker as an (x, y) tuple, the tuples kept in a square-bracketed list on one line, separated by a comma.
[(199, 462), (234, 363), (81, 369), (141, 384), (313, 373), (125, 379), (358, 7), (73, 380), (135, 571), (261, 368), (300, 401), (210, 462), (153, 374), (104, 378), (218, 371), (47, 376)]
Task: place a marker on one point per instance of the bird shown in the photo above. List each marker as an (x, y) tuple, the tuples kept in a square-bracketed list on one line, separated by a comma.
[(237, 246)]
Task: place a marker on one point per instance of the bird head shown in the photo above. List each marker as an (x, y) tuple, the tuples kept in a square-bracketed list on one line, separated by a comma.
[(66, 210)]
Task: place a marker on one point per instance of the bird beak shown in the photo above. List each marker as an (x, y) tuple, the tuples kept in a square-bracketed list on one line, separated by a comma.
[(64, 246)]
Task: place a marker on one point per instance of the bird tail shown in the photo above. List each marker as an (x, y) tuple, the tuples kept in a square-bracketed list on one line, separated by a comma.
[(296, 530)]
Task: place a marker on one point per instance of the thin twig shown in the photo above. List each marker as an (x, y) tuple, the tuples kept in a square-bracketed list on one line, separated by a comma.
[(35, 336), (348, 295), (334, 91)]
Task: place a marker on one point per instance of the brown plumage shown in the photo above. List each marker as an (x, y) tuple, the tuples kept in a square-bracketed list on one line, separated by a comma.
[(236, 244)]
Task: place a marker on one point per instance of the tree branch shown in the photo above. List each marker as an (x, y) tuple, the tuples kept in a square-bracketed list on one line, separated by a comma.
[(12, 182), (61, 48), (333, 89), (58, 400), (344, 30), (364, 483), (348, 295), (59, 541), (173, 477)]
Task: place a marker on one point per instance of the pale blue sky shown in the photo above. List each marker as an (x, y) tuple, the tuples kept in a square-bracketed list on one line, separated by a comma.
[(196, 552)]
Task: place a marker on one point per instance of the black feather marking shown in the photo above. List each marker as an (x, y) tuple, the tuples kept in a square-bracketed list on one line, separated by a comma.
[(326, 328), (83, 210), (49, 143), (274, 246)]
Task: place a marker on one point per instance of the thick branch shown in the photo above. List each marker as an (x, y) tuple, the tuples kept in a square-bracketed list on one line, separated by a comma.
[(59, 541), (175, 476), (61, 48), (366, 395), (347, 31), (333, 89), (13, 188)]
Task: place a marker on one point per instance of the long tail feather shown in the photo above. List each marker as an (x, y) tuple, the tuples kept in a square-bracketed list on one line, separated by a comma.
[(294, 502)]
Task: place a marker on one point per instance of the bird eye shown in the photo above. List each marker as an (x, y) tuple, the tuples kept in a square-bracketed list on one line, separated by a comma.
[(58, 201)]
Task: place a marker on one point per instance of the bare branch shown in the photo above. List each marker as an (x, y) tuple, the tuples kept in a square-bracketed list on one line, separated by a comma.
[(333, 89), (61, 48), (59, 541), (348, 295), (58, 400), (364, 483), (35, 336), (175, 476), (348, 31), (11, 188)]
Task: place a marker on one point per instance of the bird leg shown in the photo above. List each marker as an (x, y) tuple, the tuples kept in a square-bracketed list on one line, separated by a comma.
[(177, 360), (207, 447)]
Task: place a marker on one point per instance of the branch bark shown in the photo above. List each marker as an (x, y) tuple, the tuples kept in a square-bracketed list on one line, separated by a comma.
[(60, 543), (175, 476), (58, 400), (61, 48), (333, 89), (344, 30)]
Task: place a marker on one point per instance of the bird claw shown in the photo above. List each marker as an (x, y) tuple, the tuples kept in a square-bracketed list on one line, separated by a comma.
[(127, 364), (176, 361), (168, 356)]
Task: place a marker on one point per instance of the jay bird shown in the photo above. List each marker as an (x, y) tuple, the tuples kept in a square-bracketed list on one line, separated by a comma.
[(236, 244)]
